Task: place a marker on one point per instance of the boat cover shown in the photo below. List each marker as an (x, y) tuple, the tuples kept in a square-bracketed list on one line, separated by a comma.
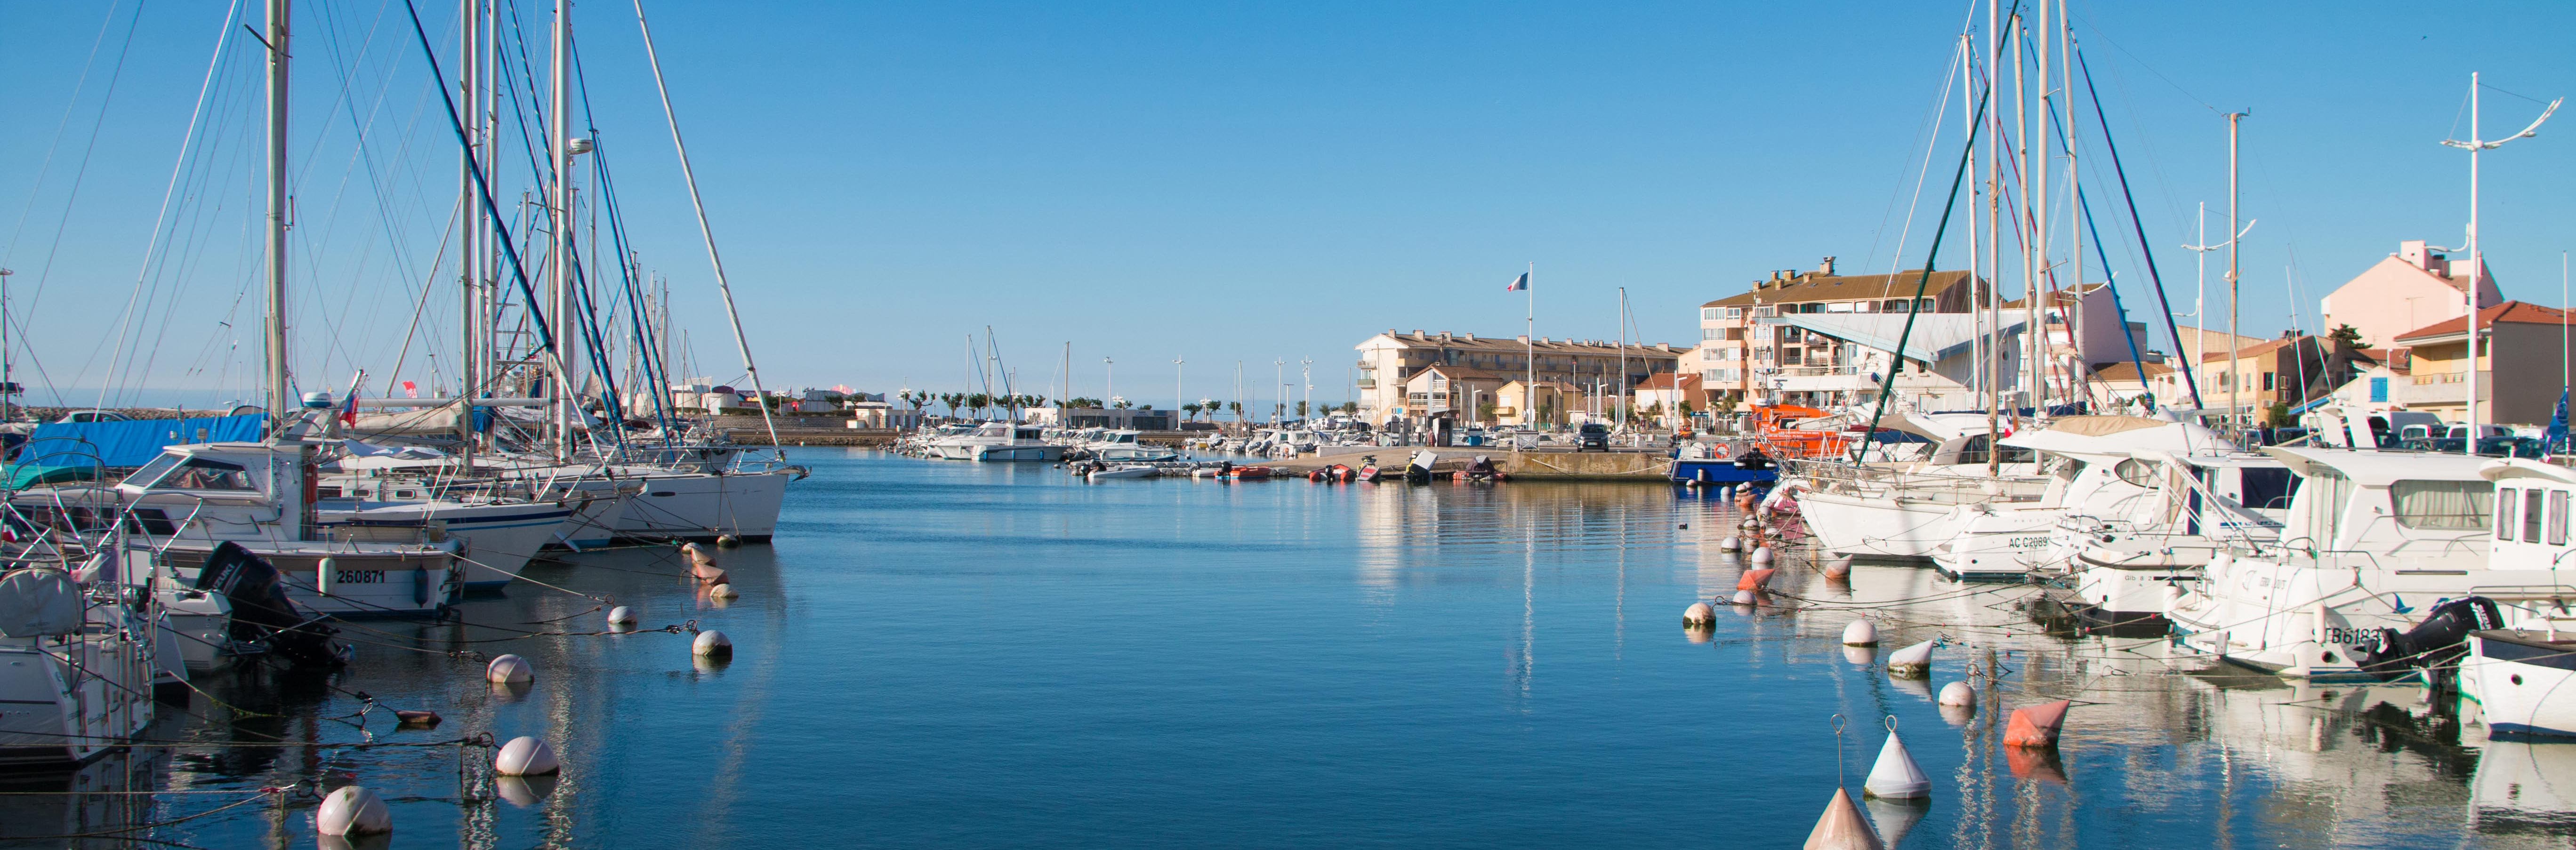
[(39, 601), (133, 442)]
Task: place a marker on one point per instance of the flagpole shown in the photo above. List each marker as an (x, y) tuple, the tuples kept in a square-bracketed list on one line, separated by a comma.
[(1529, 346)]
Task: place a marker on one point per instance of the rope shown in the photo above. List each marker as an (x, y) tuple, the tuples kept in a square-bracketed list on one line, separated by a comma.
[(1896, 365), (2140, 227)]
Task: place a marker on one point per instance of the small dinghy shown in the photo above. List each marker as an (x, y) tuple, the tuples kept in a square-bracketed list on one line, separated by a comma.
[(1248, 473), (1117, 472)]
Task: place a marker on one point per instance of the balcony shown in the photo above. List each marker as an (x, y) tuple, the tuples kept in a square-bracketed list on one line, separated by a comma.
[(2439, 388), (1368, 382)]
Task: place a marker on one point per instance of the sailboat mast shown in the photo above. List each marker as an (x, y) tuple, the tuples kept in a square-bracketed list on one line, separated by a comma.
[(2077, 367), (1995, 153), (2037, 176), (561, 270), (469, 219), (280, 395)]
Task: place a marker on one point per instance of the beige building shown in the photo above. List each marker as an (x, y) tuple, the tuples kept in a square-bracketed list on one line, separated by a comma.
[(2289, 370), (1662, 398), (2531, 342), (1422, 374), (2413, 288)]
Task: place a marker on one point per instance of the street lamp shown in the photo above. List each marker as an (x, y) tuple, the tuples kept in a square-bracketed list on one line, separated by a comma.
[(2477, 262)]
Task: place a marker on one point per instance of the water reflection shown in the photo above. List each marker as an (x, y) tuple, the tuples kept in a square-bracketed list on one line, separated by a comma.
[(940, 654)]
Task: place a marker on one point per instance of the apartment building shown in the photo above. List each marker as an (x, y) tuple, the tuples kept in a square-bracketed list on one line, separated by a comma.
[(1423, 374), (2521, 347), (2414, 288), (1746, 348)]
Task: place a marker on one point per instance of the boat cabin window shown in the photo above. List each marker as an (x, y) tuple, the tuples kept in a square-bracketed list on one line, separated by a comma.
[(2557, 517), (2266, 487), (2327, 490), (1025, 434), (2437, 505), (199, 473), (1975, 450), (158, 467), (2136, 472), (2505, 504), (2531, 515)]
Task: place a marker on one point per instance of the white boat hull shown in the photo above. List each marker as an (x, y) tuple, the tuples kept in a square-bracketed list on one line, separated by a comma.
[(66, 700), (1877, 527), (704, 506), (1997, 545), (2523, 686)]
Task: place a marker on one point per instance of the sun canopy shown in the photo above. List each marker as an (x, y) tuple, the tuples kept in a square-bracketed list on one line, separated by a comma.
[(132, 442)]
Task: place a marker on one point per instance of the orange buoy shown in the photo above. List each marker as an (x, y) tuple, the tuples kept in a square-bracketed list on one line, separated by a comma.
[(1843, 828), (417, 718), (1754, 579), (2036, 725)]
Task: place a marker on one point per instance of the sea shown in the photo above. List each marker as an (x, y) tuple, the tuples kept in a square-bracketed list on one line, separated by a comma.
[(951, 654)]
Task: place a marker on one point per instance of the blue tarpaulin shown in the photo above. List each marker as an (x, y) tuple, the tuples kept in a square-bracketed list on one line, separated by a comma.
[(133, 442)]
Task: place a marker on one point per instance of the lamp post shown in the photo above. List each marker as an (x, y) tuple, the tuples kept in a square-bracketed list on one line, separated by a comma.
[(1110, 381), (2477, 262), (1178, 400)]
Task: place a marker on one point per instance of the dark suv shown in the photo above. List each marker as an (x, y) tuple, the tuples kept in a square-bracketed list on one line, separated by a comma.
[(1592, 435)]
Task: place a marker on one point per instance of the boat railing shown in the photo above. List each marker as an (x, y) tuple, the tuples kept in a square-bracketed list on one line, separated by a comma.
[(1882, 481)]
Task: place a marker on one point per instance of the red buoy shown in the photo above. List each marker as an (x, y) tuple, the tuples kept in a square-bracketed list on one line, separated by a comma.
[(1754, 579), (2036, 725)]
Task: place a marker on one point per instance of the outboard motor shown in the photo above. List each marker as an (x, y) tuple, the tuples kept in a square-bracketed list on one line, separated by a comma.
[(261, 611), (1419, 471), (2435, 645)]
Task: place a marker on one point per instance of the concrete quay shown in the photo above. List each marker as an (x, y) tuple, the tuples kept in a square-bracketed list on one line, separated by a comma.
[(1637, 467)]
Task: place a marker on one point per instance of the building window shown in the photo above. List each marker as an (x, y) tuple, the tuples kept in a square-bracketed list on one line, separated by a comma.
[(1735, 312), (1712, 333), (1923, 305), (1766, 311), (1708, 314), (1892, 307), (2267, 381)]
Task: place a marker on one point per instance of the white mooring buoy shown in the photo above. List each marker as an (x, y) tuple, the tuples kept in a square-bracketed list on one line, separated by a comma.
[(1861, 632), (723, 591), (526, 755), (509, 670), (1913, 662), (698, 554), (712, 644), (1762, 554), (1731, 544), (728, 541), (1958, 694), (353, 810), (1896, 776), (1699, 614), (621, 616), (1747, 597)]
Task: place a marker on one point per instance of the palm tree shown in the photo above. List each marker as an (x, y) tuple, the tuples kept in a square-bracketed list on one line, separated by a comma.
[(1192, 410), (1238, 410), (952, 400)]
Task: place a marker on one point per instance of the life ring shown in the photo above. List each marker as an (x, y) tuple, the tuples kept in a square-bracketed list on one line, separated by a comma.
[(1719, 451)]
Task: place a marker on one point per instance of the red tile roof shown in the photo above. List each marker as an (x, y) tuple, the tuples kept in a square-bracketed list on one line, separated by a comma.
[(2510, 311)]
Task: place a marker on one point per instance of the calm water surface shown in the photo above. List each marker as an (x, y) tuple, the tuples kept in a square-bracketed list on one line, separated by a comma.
[(989, 654)]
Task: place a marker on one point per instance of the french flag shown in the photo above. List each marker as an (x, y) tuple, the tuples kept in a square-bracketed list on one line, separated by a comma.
[(1518, 283)]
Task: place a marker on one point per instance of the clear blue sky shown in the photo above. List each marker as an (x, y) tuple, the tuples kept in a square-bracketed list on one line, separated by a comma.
[(1223, 182)]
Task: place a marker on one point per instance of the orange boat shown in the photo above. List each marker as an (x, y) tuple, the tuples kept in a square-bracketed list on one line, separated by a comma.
[(1775, 434), (1248, 473)]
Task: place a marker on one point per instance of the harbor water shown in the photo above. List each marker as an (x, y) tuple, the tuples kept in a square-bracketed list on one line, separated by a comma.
[(961, 654)]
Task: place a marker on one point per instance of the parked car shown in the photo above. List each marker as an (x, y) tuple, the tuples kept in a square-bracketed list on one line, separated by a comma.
[(1593, 435)]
